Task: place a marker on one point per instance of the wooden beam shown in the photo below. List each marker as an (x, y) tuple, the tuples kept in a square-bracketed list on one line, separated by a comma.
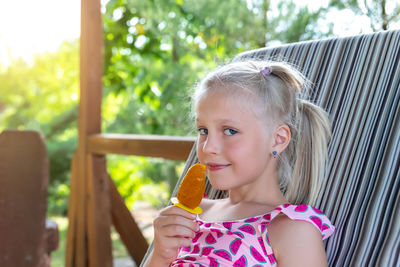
[(95, 199), (91, 70), (72, 236), (76, 254), (89, 123), (168, 147), (98, 213), (126, 226)]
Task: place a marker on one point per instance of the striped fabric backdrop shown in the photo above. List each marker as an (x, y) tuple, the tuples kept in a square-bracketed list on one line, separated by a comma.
[(357, 80)]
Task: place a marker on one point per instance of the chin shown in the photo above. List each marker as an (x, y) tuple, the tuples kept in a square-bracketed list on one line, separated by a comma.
[(219, 186)]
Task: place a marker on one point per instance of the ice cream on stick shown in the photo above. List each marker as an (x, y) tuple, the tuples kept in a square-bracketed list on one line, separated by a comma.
[(191, 189)]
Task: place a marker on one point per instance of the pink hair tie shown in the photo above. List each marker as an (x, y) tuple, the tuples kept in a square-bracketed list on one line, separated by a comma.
[(266, 71)]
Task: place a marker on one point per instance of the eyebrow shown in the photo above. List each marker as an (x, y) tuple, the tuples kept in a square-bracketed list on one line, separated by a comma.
[(222, 121)]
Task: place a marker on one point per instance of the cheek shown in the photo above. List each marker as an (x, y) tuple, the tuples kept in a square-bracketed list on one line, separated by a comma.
[(238, 148), (247, 150)]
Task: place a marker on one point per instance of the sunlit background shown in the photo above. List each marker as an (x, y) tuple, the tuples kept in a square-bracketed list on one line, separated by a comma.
[(144, 80), (29, 27)]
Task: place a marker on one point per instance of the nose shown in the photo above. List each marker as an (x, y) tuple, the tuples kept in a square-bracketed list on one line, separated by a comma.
[(211, 145)]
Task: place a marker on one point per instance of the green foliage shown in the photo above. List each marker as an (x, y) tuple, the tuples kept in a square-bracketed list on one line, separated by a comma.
[(43, 96), (60, 151), (135, 177), (32, 95), (155, 52)]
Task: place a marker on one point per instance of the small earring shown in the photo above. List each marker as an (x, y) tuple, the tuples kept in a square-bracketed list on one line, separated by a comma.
[(274, 153)]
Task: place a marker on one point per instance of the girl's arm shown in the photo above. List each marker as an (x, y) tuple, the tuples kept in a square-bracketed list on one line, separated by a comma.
[(173, 228), (296, 243)]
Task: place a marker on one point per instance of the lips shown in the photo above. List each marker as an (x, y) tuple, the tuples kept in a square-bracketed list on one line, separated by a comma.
[(216, 166)]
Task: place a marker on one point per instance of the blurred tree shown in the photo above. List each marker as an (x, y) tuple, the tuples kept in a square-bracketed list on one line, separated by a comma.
[(43, 96), (382, 13), (155, 51)]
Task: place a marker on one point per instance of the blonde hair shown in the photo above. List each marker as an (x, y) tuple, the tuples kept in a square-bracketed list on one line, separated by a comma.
[(282, 94)]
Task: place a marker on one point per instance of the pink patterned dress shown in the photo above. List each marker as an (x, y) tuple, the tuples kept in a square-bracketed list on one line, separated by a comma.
[(244, 242)]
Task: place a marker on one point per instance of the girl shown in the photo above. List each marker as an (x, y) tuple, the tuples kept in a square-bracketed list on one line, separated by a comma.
[(266, 146)]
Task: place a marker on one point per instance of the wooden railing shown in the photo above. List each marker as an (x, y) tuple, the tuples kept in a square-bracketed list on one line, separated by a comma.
[(161, 146), (98, 145)]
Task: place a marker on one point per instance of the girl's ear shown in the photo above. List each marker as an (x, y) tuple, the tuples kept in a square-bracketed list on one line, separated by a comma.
[(282, 137)]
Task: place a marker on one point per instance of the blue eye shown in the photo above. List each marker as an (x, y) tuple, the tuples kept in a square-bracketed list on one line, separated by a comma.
[(203, 131), (230, 132)]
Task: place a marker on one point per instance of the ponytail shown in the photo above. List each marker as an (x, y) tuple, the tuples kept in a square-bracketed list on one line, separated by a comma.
[(313, 134)]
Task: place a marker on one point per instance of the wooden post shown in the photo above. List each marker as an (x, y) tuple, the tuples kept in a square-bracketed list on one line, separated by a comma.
[(90, 199), (98, 212), (72, 242)]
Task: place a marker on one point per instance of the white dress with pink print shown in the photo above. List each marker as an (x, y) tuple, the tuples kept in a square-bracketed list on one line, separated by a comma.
[(244, 242)]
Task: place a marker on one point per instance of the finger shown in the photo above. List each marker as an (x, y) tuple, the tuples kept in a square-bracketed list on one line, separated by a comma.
[(165, 220), (175, 225), (175, 242), (178, 231), (174, 210)]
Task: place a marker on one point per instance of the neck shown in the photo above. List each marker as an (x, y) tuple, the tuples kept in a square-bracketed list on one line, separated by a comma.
[(265, 191)]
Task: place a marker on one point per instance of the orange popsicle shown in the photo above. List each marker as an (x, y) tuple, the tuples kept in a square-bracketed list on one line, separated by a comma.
[(191, 190)]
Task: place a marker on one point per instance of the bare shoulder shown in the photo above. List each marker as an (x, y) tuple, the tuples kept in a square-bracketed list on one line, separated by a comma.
[(296, 243)]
